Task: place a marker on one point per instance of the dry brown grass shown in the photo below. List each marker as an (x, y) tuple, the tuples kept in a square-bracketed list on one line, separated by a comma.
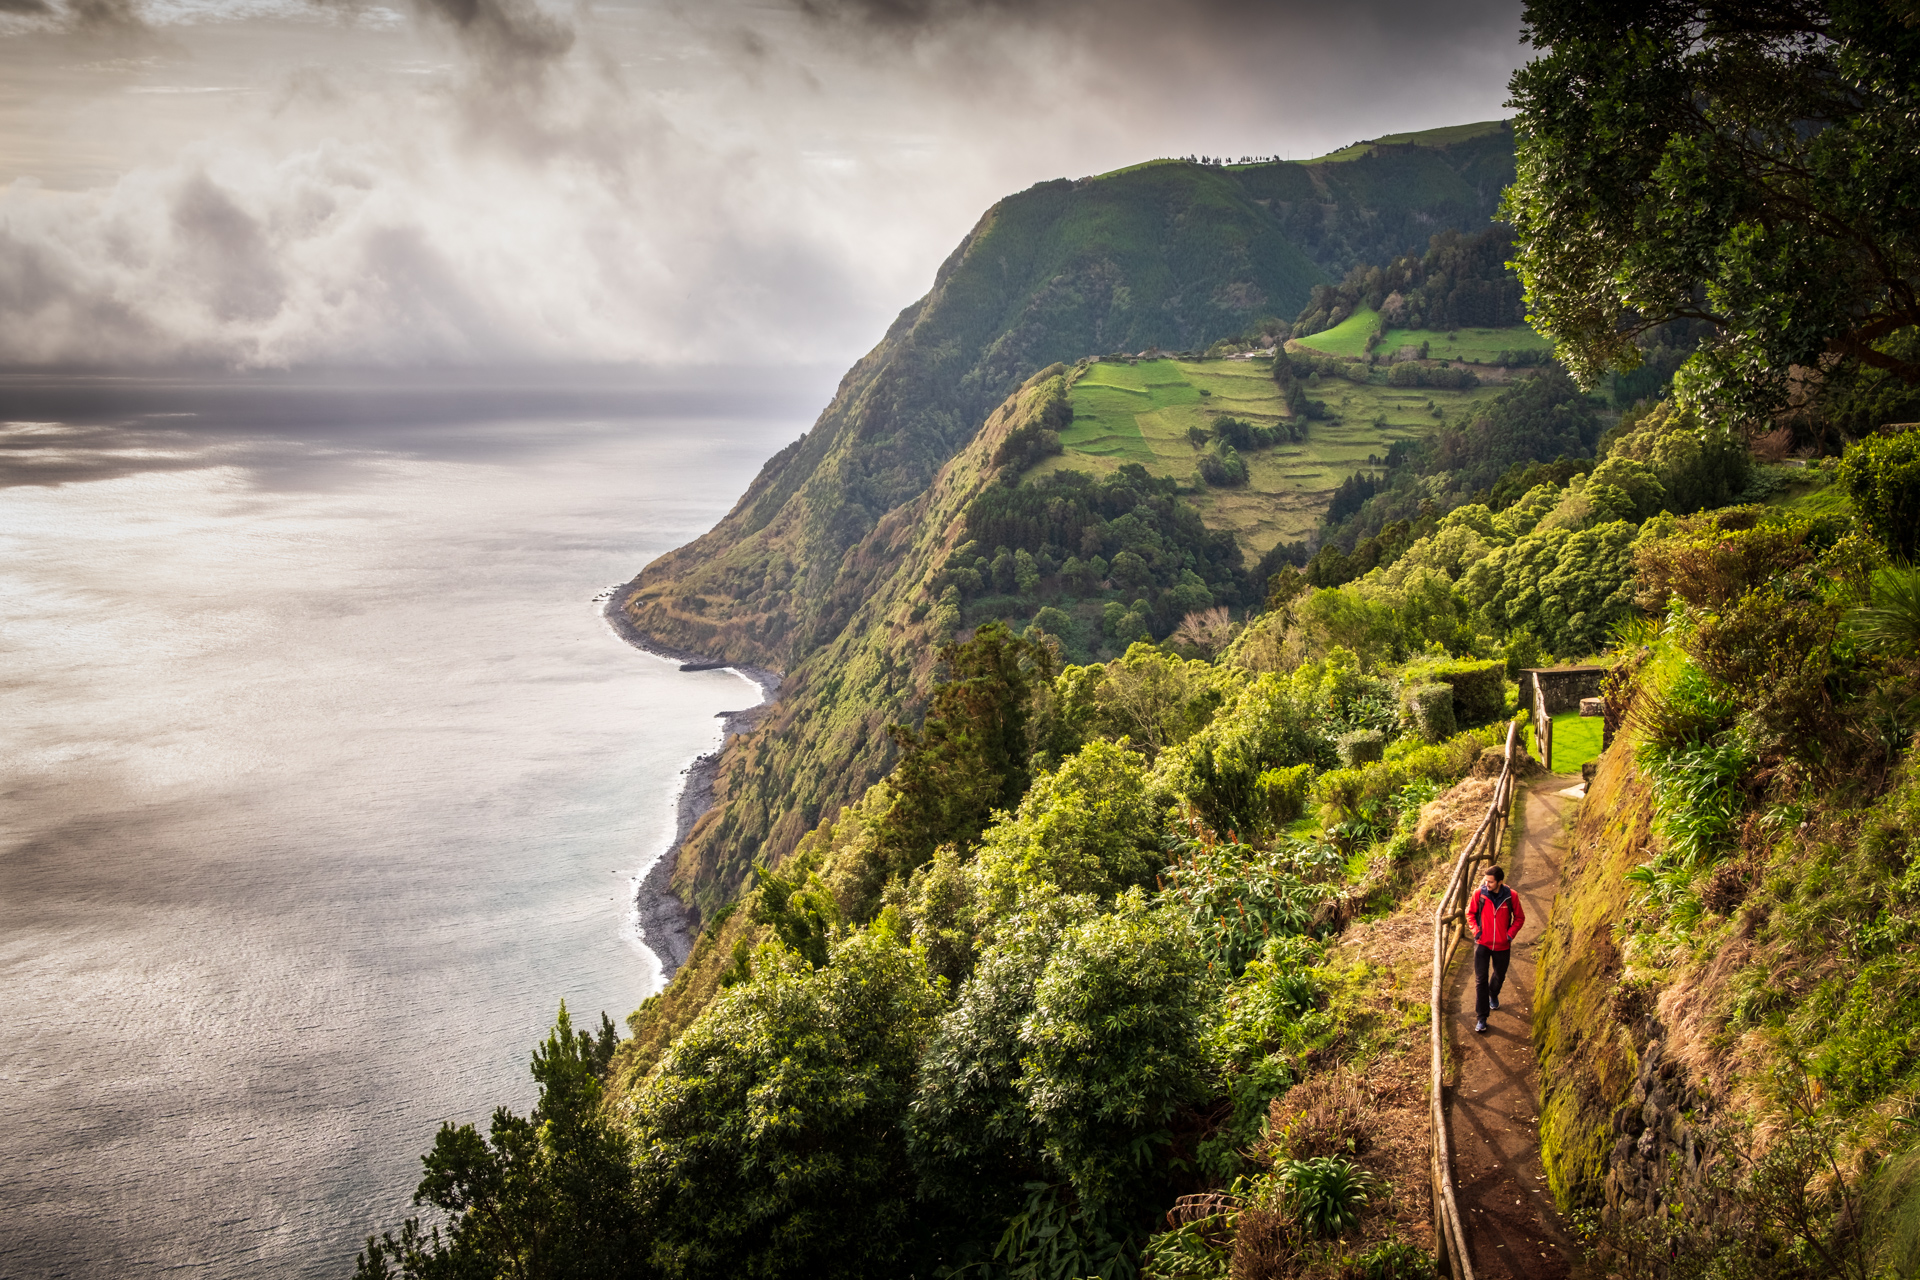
[(1456, 810)]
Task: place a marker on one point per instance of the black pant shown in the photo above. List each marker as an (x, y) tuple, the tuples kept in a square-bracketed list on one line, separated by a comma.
[(1483, 985)]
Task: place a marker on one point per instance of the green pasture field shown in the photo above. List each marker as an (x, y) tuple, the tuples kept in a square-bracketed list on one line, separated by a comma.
[(1141, 412), (1348, 338), (1475, 346)]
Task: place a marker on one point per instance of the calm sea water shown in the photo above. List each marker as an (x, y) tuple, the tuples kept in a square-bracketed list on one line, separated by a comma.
[(322, 783)]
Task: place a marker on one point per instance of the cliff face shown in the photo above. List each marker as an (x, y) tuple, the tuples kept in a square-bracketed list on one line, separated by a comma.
[(815, 570), (825, 741)]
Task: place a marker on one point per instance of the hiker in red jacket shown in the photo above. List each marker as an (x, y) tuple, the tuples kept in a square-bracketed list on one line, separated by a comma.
[(1495, 916)]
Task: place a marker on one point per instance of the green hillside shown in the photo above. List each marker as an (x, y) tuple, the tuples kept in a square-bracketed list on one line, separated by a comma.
[(1172, 255), (1144, 412), (1349, 337), (1442, 137)]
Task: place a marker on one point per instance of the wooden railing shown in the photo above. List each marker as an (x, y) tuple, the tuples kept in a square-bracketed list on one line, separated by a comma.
[(1542, 722), (1449, 926)]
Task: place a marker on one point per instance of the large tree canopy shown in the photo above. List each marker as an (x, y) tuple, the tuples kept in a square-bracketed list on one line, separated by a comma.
[(1754, 164)]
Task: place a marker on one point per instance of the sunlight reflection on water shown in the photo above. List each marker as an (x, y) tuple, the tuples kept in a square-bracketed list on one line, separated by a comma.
[(325, 781)]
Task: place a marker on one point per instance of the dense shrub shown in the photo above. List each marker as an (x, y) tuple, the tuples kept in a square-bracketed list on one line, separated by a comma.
[(1882, 476), (1113, 1044), (1089, 827), (1223, 467), (1428, 709), (972, 1139), (770, 1141), (1360, 746), (1479, 687)]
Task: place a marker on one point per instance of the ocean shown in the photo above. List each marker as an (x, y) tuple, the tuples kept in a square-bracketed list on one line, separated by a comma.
[(323, 780)]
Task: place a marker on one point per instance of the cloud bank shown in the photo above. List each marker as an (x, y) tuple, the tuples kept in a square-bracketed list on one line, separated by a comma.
[(482, 181)]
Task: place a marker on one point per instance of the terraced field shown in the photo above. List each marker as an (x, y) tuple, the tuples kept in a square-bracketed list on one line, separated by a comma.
[(1475, 346), (1141, 413)]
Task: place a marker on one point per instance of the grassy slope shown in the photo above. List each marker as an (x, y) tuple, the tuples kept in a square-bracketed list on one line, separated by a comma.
[(1472, 346), (1348, 338), (1812, 492), (1140, 413), (1576, 740), (1446, 136)]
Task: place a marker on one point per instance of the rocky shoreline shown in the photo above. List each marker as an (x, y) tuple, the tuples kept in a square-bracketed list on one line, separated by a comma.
[(669, 926)]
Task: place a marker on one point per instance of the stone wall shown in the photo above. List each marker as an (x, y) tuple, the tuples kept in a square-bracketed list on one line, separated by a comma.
[(1562, 687)]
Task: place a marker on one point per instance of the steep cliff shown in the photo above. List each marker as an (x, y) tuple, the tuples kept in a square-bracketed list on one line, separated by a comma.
[(826, 740)]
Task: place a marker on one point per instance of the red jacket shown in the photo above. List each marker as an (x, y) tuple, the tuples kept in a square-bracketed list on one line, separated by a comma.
[(1496, 917)]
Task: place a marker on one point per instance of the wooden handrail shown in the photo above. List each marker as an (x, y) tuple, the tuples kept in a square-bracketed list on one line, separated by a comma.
[(1449, 926)]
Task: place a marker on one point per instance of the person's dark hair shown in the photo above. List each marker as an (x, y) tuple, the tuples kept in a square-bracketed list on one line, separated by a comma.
[(1499, 876)]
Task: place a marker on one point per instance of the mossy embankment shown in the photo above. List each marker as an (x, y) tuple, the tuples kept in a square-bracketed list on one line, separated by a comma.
[(1587, 1058)]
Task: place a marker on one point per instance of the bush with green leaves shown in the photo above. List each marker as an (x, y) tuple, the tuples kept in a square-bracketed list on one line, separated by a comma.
[(1091, 826), (1324, 1194), (770, 1140), (1199, 1243), (973, 1142), (1479, 687), (1276, 722), (1393, 1260), (1055, 1237), (1428, 709), (1222, 466), (1360, 746), (1568, 587), (549, 1196), (798, 904), (1114, 1045), (1268, 1024), (1062, 1062), (1361, 805), (1240, 896), (1882, 476), (1153, 698)]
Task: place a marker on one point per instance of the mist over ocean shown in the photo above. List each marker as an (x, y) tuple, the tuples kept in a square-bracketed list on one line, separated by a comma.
[(322, 779)]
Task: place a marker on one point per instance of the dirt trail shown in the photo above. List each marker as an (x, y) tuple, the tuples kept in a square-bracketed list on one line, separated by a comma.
[(1512, 1228)]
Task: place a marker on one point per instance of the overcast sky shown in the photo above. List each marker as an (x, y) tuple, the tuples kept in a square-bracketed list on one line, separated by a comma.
[(271, 183)]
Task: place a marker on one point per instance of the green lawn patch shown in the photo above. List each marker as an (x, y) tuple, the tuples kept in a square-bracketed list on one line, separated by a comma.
[(1475, 346), (1576, 740), (1348, 338)]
